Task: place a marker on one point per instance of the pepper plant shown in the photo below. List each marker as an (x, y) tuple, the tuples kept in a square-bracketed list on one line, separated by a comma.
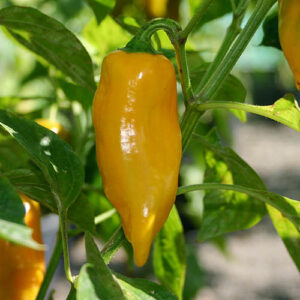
[(60, 171)]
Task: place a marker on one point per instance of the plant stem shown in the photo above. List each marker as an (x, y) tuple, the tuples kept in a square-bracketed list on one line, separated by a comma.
[(265, 111), (51, 268), (183, 72), (188, 123), (157, 41), (277, 201), (104, 216), (113, 245), (190, 117), (220, 74), (64, 235), (170, 26), (233, 5), (232, 32), (195, 19)]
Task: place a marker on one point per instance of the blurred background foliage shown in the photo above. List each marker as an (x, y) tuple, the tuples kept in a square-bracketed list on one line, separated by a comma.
[(32, 87)]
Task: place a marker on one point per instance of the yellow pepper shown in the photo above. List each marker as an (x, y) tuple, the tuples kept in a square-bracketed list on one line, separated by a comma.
[(138, 142), (54, 126), (289, 33), (157, 8), (21, 268)]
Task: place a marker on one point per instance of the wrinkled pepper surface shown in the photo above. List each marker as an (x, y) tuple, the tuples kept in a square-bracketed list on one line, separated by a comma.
[(138, 142), (289, 33), (21, 268)]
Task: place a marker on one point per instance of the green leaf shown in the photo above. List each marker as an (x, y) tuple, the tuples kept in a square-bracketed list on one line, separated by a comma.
[(12, 212), (288, 233), (18, 234), (169, 254), (231, 90), (137, 289), (12, 155), (11, 207), (95, 279), (227, 211), (33, 184), (270, 30), (76, 93), (113, 245), (72, 293), (285, 110), (195, 274), (81, 213), (51, 40), (106, 37), (288, 207), (60, 166), (101, 8), (217, 9)]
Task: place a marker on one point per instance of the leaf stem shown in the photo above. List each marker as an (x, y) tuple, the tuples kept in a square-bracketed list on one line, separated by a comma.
[(261, 9), (233, 5), (51, 268), (232, 32), (113, 245), (279, 202), (265, 111), (190, 117), (64, 235), (195, 19), (188, 123), (104, 216), (183, 71)]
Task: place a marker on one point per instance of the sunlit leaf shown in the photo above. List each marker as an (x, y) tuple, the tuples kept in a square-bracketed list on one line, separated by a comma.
[(95, 279), (105, 37), (51, 40), (169, 254), (288, 207), (137, 289), (101, 8), (60, 166), (285, 110), (227, 211), (288, 233), (18, 234), (33, 184)]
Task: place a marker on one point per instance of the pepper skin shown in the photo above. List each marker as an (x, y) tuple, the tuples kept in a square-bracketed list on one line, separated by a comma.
[(21, 268), (156, 8), (138, 142), (289, 33), (54, 126)]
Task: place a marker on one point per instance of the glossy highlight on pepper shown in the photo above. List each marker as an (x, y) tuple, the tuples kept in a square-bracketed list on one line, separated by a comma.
[(289, 33), (138, 142)]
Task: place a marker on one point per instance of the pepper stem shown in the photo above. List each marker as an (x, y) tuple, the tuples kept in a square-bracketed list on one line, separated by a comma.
[(141, 42)]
